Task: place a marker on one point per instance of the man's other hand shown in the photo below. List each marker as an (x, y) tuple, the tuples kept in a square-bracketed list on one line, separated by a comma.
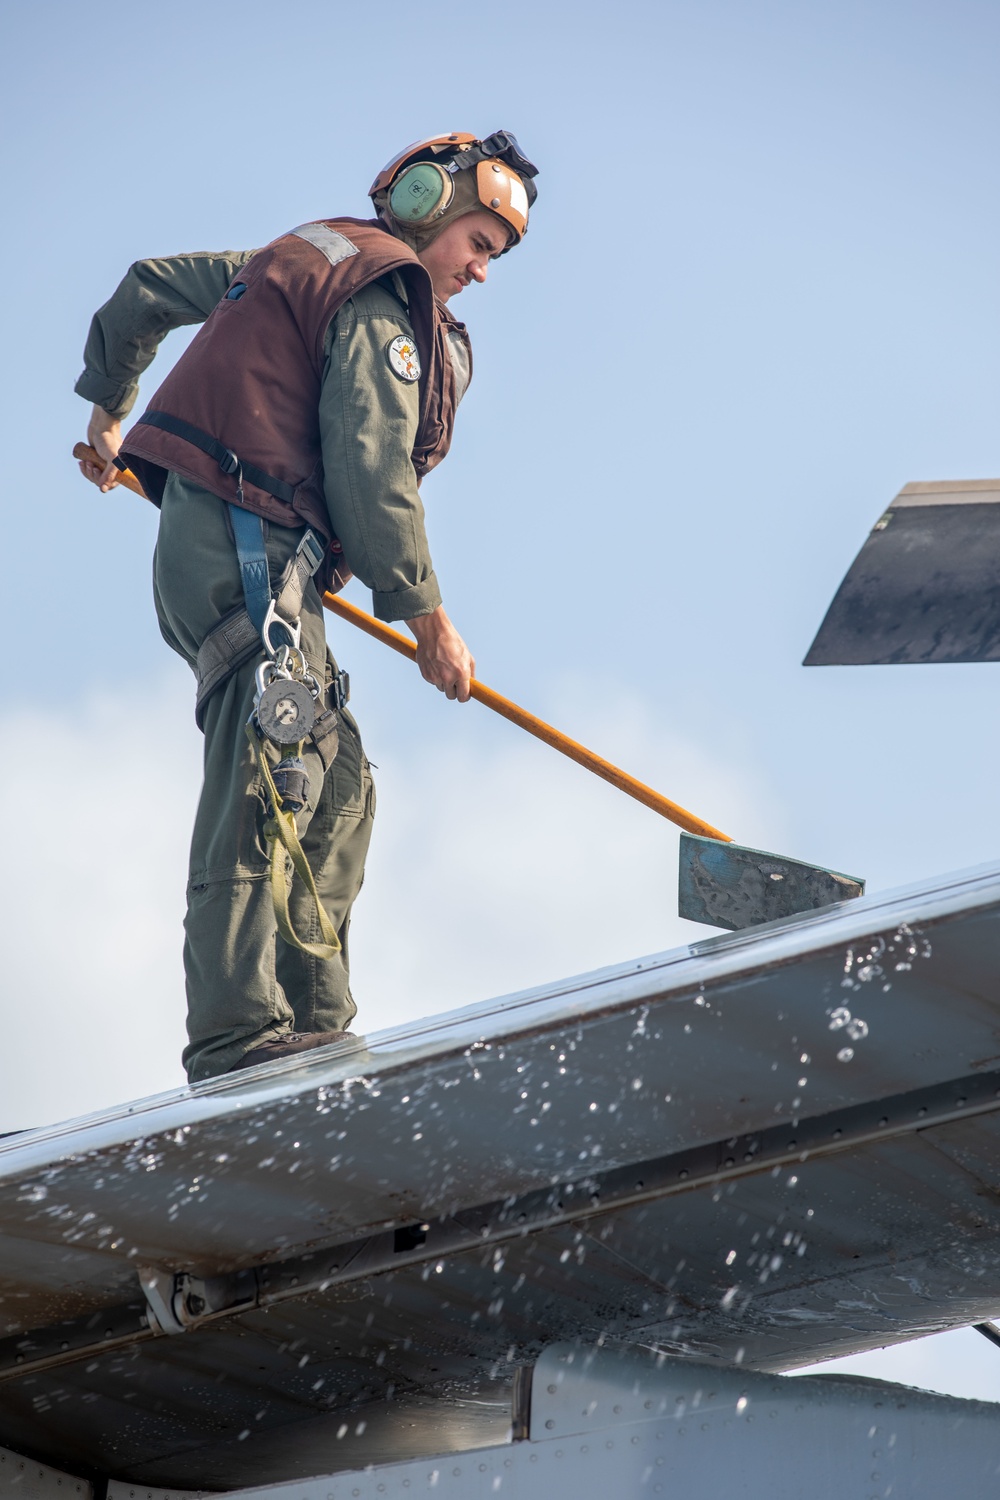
[(104, 433), (442, 656)]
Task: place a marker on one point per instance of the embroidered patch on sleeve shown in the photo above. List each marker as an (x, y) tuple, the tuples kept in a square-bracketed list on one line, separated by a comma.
[(404, 361)]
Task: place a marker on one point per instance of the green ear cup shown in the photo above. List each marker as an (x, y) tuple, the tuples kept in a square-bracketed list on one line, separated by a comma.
[(418, 192)]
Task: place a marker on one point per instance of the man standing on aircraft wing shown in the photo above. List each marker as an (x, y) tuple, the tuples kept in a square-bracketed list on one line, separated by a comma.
[(285, 452)]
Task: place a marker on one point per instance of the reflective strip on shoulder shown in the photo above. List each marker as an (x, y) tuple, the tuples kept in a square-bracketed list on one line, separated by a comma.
[(336, 247)]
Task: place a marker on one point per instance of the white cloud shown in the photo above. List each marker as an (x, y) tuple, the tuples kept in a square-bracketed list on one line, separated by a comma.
[(92, 888), (499, 865), (496, 865)]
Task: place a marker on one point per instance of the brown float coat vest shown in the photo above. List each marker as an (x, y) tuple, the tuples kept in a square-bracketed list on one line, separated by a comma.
[(250, 381)]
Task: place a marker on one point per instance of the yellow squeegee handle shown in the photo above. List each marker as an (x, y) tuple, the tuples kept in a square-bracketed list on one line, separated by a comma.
[(537, 727), (500, 705)]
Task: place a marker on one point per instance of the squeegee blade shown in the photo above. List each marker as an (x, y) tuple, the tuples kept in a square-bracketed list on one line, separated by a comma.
[(728, 885), (925, 586)]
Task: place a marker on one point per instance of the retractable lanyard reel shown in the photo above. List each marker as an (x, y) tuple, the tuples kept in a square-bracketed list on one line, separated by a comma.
[(286, 709)]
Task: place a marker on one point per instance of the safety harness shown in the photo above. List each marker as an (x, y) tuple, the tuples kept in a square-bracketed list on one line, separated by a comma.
[(287, 708), (238, 636)]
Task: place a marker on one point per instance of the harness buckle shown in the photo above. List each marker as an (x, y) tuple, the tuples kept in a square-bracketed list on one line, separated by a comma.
[(311, 550)]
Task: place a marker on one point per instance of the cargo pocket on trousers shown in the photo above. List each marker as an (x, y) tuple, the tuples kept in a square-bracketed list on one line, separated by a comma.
[(348, 778), (325, 738)]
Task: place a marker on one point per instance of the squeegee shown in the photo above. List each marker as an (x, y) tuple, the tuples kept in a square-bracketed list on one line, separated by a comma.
[(721, 883)]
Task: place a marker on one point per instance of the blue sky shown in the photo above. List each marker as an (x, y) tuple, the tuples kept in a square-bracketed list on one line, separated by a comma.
[(759, 295)]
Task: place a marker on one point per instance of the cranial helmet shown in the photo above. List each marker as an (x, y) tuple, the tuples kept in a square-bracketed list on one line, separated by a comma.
[(436, 181)]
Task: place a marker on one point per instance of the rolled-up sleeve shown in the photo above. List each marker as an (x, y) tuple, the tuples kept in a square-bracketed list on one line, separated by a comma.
[(368, 426), (152, 298)]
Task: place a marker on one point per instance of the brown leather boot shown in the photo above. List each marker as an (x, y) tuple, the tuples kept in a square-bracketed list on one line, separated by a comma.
[(283, 1046)]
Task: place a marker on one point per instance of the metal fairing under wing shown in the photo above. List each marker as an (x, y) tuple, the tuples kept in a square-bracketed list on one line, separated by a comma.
[(925, 586), (761, 1151)]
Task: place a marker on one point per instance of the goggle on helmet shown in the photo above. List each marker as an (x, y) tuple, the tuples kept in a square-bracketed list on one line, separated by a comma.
[(418, 187)]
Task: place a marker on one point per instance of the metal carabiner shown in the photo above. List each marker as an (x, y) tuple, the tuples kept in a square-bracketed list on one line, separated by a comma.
[(292, 628), (290, 662)]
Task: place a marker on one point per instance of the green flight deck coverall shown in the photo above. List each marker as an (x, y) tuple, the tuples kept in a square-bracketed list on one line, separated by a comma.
[(245, 985)]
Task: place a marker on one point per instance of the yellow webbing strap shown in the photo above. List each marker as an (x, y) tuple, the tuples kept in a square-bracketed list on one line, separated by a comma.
[(283, 839)]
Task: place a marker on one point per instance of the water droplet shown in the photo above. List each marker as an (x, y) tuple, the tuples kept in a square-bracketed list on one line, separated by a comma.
[(857, 1029), (845, 1054), (840, 1017)]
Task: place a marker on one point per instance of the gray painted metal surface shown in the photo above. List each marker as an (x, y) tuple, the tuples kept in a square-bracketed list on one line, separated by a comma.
[(25, 1479), (925, 586), (633, 1425), (731, 886), (771, 1147), (118, 1489)]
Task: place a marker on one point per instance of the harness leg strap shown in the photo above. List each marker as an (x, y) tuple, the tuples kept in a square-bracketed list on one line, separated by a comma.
[(237, 637)]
